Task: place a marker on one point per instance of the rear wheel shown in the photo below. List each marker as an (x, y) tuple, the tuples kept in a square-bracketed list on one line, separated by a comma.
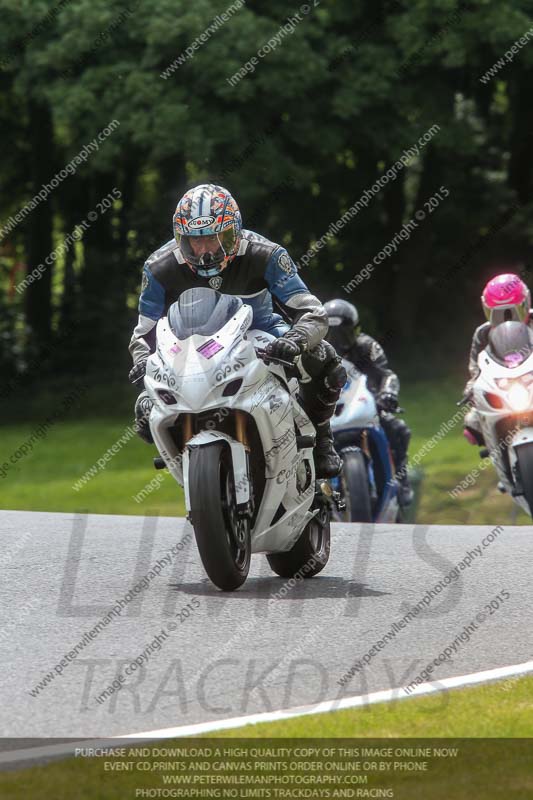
[(310, 554), (222, 535), (355, 489), (524, 454)]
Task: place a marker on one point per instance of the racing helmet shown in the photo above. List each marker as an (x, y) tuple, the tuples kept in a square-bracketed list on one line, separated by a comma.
[(208, 229), (506, 298), (343, 319)]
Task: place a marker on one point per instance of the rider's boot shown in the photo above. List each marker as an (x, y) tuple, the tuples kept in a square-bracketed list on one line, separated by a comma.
[(327, 461), (399, 437), (405, 491), (319, 395)]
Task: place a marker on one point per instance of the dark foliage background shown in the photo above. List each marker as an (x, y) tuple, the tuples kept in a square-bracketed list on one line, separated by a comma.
[(297, 142)]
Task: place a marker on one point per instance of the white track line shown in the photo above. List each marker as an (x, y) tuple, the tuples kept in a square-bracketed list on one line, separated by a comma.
[(356, 701), (386, 695)]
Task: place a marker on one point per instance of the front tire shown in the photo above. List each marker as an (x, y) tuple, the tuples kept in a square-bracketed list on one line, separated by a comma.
[(310, 554), (524, 454), (222, 536), (355, 489)]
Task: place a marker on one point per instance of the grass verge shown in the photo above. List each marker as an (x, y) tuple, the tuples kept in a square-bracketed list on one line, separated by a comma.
[(43, 480), (490, 768)]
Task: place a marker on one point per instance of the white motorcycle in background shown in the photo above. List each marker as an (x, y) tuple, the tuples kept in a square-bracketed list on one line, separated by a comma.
[(367, 485), (503, 398), (231, 432)]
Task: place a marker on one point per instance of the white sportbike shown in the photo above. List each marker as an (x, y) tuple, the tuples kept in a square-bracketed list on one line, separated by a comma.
[(503, 399), (231, 431), (367, 484)]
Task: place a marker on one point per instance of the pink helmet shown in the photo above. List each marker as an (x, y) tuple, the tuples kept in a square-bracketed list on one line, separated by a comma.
[(506, 298)]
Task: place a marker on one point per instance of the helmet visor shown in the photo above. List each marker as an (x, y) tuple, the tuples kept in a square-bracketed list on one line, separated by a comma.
[(515, 312), (206, 251), (341, 336)]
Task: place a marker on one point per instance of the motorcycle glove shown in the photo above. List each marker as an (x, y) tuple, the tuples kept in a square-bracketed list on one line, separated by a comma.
[(387, 401), (288, 347), (137, 372)]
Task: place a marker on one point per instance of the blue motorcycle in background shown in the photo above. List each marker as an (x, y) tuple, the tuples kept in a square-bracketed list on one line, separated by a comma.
[(367, 485)]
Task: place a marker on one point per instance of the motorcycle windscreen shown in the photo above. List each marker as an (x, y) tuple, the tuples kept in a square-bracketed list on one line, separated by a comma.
[(511, 343), (201, 311)]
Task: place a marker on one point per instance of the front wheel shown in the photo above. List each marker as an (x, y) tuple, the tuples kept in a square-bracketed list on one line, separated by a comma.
[(310, 554), (222, 535), (355, 489), (524, 454)]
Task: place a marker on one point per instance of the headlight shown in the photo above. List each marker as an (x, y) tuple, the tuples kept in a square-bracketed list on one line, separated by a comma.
[(232, 387), (493, 400), (518, 397), (505, 383)]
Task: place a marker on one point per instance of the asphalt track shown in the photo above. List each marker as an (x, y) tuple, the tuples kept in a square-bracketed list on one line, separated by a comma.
[(267, 647)]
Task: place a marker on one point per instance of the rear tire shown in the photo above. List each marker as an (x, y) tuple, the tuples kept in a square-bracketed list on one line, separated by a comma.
[(310, 554), (524, 454), (223, 537), (355, 490)]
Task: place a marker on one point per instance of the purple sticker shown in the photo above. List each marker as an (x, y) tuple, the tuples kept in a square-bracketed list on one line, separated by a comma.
[(174, 350), (209, 349), (513, 359)]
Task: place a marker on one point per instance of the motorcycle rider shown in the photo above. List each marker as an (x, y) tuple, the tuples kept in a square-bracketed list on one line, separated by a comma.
[(505, 298), (367, 355), (211, 249)]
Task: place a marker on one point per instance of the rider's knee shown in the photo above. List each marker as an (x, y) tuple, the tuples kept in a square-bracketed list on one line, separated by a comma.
[(323, 362), (471, 420), (404, 431), (143, 407), (315, 359), (397, 430), (336, 376)]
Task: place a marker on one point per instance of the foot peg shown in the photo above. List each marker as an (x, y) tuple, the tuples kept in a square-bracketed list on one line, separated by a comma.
[(332, 495), (339, 502), (159, 463), (484, 453)]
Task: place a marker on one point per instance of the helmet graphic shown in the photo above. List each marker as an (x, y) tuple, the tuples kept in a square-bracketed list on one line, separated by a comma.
[(506, 298), (208, 228)]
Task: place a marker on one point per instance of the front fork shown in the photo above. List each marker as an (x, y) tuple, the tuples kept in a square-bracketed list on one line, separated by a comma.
[(241, 436), (240, 429)]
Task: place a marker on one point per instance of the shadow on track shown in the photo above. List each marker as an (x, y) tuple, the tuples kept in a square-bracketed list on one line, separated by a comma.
[(320, 587)]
